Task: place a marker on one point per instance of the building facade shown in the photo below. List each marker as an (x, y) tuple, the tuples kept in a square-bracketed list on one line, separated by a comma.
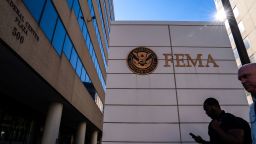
[(244, 12), (159, 75), (53, 58)]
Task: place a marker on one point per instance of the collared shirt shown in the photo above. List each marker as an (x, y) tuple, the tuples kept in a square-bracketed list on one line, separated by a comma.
[(253, 122)]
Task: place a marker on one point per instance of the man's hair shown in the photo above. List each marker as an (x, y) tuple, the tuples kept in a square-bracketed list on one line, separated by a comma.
[(211, 102), (248, 65)]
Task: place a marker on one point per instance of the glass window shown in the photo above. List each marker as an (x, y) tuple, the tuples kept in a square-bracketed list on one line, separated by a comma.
[(241, 27), (247, 43), (253, 58), (78, 67), (227, 24), (88, 40), (80, 20), (93, 59), (35, 7), (87, 79), (99, 102), (76, 8), (58, 37), (82, 77), (85, 33), (91, 49), (48, 20), (231, 1), (236, 12), (110, 8), (67, 47), (231, 37), (73, 58), (88, 44), (70, 3), (90, 3), (107, 14), (235, 53)]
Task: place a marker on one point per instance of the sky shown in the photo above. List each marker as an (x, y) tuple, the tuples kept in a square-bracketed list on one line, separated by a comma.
[(164, 10)]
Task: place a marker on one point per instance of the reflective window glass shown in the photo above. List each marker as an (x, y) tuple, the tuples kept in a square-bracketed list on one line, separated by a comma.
[(253, 58), (227, 24), (35, 7), (78, 67), (236, 12), (91, 49), (231, 37), (107, 14), (58, 37), (76, 8), (235, 53), (73, 58), (247, 43), (82, 77), (48, 20), (80, 20), (70, 3), (67, 47), (93, 59), (90, 6), (87, 78), (241, 27), (88, 45), (85, 33)]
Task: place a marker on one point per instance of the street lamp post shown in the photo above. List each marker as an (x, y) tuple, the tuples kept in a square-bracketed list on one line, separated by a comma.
[(236, 33)]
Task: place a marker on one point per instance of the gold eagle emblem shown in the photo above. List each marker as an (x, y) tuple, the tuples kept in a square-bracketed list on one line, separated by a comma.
[(142, 60)]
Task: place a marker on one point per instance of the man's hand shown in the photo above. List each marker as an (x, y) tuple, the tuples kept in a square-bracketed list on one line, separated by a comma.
[(197, 138)]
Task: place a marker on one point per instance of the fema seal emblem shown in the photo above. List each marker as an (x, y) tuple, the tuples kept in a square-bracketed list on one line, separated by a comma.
[(142, 60)]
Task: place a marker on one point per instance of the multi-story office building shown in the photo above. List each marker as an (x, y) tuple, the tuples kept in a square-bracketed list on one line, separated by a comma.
[(53, 58), (244, 12)]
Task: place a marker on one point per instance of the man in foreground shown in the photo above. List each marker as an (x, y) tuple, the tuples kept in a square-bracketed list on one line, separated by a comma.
[(247, 76), (224, 128)]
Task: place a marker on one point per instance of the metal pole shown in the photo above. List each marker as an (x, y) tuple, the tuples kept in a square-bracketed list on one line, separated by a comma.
[(243, 55)]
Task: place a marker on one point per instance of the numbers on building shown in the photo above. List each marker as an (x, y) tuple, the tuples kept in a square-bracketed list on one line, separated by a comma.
[(17, 34)]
